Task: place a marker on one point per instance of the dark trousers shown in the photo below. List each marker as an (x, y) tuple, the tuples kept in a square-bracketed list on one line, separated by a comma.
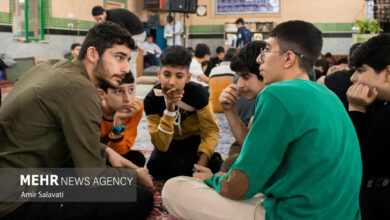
[(234, 152), (177, 161), (135, 157), (84, 210), (150, 60), (375, 203)]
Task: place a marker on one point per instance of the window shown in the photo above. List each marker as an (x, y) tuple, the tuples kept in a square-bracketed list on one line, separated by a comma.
[(28, 20)]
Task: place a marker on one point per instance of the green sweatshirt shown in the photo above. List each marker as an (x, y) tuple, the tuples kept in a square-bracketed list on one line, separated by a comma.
[(301, 152)]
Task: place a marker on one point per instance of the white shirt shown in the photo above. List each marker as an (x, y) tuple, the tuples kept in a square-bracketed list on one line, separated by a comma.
[(168, 33), (196, 71), (146, 46), (222, 69)]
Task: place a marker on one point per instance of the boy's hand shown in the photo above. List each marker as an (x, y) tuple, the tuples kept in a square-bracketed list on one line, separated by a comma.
[(173, 96), (144, 178), (360, 96), (202, 173), (229, 97), (129, 112), (117, 160), (221, 173)]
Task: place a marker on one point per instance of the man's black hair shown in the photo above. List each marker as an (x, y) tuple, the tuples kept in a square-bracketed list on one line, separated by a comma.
[(191, 49), (201, 50), (128, 79), (374, 53), (229, 54), (74, 46), (97, 10), (245, 60), (302, 38), (239, 21), (220, 50), (176, 56), (105, 35)]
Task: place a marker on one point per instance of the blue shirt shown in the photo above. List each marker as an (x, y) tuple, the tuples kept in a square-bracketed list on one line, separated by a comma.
[(244, 36)]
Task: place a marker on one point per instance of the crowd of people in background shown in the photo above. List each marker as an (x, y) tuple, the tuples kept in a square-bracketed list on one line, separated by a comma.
[(310, 131)]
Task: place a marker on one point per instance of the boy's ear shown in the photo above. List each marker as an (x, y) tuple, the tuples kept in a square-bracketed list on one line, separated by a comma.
[(289, 59), (101, 94), (159, 74), (92, 55), (189, 77), (387, 77)]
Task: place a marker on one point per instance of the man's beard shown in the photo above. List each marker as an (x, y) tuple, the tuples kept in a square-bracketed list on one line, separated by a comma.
[(100, 72)]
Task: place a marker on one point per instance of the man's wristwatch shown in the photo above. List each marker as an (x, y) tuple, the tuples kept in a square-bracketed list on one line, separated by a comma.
[(119, 130)]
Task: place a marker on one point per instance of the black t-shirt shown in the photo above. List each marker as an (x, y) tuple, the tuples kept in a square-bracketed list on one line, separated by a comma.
[(339, 82), (195, 95), (125, 19), (215, 61), (372, 129)]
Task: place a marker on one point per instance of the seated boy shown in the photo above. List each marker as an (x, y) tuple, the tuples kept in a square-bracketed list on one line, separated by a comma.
[(151, 52), (202, 53), (181, 123), (235, 99), (369, 109), (121, 115), (301, 152)]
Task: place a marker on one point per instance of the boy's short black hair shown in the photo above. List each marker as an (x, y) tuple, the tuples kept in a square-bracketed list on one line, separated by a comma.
[(374, 53), (170, 19), (229, 54), (74, 46), (149, 35), (245, 60), (128, 79), (324, 65), (239, 21), (302, 38), (220, 50), (342, 61), (353, 48), (176, 56), (209, 65), (191, 49), (201, 50), (97, 10), (321, 63), (105, 35)]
